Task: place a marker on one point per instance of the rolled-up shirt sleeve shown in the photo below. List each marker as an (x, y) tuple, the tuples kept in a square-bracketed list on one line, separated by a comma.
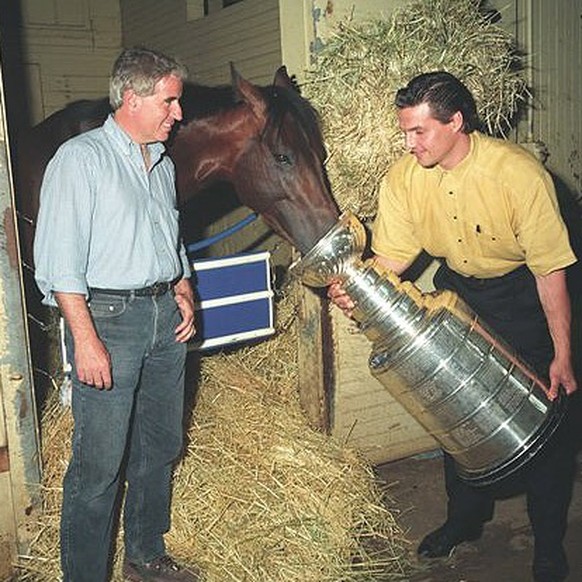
[(63, 230)]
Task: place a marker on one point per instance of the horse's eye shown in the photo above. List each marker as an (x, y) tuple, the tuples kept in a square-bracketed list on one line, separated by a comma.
[(282, 159)]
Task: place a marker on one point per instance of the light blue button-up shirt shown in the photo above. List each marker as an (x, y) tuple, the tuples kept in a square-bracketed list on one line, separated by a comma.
[(105, 221)]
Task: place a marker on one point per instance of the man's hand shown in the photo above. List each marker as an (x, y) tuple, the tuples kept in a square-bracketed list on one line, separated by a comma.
[(184, 297), (339, 297), (92, 360), (93, 363), (561, 374), (553, 292)]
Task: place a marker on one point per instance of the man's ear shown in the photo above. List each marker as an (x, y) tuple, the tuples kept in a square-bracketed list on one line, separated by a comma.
[(131, 99), (458, 121)]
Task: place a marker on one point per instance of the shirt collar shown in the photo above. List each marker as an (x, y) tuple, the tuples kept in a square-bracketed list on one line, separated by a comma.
[(460, 169), (123, 141)]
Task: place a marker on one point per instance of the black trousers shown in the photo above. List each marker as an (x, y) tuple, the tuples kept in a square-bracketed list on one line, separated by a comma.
[(510, 306)]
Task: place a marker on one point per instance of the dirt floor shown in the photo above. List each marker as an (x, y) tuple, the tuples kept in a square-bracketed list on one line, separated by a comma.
[(503, 554)]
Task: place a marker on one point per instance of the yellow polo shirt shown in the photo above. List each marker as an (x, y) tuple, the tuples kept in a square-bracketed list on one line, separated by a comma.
[(493, 212)]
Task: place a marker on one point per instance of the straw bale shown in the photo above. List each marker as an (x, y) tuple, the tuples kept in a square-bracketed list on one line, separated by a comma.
[(361, 66), (258, 495)]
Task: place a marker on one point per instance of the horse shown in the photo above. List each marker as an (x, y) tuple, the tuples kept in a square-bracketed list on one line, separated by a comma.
[(265, 141)]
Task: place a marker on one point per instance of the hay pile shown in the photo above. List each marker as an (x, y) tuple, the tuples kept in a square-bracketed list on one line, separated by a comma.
[(258, 496), (360, 68)]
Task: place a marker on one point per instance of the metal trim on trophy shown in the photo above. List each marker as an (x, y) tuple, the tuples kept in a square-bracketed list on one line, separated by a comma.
[(463, 384)]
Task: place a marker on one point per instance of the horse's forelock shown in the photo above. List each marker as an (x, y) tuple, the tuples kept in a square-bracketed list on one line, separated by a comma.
[(282, 101)]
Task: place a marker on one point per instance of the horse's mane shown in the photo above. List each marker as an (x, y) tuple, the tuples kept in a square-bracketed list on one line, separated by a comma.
[(201, 101), (87, 108), (198, 102)]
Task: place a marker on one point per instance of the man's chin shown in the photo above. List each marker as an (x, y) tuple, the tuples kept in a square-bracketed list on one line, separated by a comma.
[(428, 164), (162, 136)]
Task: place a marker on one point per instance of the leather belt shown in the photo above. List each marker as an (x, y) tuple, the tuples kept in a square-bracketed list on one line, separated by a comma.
[(155, 290)]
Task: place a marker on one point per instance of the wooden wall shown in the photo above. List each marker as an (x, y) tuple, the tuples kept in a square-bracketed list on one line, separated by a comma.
[(65, 48), (554, 43), (246, 33)]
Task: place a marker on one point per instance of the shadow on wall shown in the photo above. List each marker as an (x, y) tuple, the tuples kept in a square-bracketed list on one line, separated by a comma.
[(16, 89), (571, 209)]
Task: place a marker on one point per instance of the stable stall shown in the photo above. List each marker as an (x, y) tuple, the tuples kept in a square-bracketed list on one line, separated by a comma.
[(61, 52)]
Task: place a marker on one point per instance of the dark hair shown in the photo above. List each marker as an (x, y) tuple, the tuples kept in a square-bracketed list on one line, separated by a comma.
[(140, 69), (445, 95)]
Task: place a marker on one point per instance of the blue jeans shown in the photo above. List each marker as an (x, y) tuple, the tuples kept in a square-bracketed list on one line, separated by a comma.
[(131, 433)]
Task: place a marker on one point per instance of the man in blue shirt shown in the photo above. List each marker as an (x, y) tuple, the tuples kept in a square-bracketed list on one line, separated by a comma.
[(109, 255)]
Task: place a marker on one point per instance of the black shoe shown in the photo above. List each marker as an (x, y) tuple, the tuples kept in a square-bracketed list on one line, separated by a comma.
[(162, 569), (550, 567), (442, 541)]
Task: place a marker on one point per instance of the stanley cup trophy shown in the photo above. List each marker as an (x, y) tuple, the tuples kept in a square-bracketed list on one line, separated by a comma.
[(460, 382)]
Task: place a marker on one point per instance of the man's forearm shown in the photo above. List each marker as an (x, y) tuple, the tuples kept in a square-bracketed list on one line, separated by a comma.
[(74, 308), (396, 267), (555, 301)]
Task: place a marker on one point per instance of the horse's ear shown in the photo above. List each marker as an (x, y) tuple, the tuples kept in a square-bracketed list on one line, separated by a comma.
[(248, 92), (282, 79), (234, 75)]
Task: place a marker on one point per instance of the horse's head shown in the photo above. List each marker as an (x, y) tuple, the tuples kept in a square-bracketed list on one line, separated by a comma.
[(279, 171)]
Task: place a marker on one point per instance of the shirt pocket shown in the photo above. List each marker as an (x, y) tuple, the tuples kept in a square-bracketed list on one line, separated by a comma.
[(107, 307), (489, 243)]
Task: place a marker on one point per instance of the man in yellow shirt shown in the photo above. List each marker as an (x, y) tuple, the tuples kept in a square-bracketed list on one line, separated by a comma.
[(488, 210)]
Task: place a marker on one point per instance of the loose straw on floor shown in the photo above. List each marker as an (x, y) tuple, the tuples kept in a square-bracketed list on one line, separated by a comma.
[(258, 495)]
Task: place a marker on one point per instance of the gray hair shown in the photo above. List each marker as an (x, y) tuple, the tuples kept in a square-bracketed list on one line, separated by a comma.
[(140, 69)]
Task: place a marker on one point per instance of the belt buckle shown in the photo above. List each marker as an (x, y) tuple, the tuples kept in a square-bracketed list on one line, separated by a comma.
[(158, 289)]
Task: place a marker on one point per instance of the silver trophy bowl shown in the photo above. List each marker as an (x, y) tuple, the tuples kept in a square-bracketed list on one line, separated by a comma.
[(446, 367)]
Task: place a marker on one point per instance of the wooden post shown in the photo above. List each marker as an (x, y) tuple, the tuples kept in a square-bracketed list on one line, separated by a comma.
[(314, 357), (19, 443)]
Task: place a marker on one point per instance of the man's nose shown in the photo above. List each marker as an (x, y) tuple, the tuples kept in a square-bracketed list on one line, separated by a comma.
[(177, 111), (409, 141)]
